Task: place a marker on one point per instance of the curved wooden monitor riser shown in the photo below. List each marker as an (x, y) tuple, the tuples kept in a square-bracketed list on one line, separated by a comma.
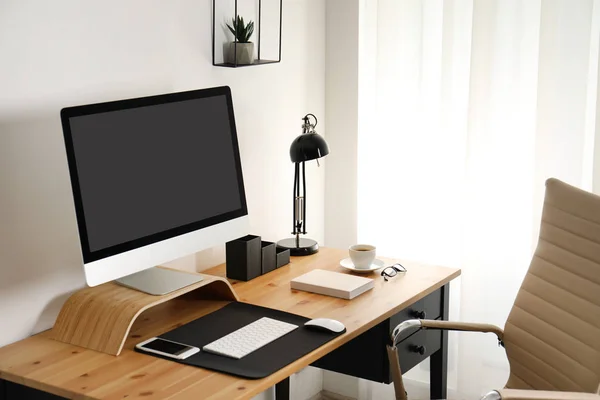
[(100, 317)]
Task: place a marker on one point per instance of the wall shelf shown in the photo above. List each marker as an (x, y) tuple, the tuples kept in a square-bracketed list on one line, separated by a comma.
[(256, 62), (267, 18)]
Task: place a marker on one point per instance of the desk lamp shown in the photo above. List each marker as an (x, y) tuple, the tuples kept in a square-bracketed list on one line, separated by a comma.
[(308, 146)]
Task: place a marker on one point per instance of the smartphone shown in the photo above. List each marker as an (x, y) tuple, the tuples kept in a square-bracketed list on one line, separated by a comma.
[(167, 348)]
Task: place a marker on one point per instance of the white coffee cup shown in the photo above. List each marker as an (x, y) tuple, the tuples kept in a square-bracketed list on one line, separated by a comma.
[(362, 255)]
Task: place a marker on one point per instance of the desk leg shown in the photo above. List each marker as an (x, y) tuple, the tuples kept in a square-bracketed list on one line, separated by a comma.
[(438, 374), (282, 390)]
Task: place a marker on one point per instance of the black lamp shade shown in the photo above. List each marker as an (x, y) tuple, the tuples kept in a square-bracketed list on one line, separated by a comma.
[(309, 146)]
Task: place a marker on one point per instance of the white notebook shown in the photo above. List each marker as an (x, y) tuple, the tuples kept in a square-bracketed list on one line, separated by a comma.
[(331, 283)]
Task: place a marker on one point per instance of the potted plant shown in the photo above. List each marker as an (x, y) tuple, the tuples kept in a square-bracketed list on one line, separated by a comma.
[(242, 49)]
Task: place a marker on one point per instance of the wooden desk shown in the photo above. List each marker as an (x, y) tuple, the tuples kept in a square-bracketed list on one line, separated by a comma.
[(74, 372)]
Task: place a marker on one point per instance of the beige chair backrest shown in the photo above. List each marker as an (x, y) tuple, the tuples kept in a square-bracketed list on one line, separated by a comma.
[(552, 335)]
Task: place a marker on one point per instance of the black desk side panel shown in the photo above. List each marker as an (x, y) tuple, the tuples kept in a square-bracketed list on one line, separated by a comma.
[(14, 391)]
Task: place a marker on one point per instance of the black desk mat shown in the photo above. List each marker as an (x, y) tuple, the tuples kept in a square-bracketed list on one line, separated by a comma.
[(258, 364)]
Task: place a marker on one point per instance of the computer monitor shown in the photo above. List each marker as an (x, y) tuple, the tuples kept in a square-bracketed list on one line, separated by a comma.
[(154, 179)]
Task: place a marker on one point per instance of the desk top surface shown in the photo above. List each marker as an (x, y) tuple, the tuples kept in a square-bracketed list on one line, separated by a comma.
[(71, 371)]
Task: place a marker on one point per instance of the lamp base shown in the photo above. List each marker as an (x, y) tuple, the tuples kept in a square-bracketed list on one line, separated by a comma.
[(305, 247)]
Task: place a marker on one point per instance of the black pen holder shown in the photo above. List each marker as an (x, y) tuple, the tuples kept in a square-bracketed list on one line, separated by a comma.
[(244, 258), (282, 256), (268, 256)]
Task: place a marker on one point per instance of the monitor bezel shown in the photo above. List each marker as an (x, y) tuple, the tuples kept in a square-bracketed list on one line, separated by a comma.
[(77, 111)]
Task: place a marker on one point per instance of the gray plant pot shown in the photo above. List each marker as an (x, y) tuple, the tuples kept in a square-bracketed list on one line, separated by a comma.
[(245, 53)]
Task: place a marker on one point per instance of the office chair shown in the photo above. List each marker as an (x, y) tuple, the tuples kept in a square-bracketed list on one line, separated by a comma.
[(552, 335)]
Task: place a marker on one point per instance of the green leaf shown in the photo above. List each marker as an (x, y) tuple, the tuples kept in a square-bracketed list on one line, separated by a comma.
[(231, 30), (250, 31), (240, 30)]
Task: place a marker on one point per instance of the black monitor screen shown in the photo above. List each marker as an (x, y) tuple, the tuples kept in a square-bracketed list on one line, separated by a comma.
[(148, 169)]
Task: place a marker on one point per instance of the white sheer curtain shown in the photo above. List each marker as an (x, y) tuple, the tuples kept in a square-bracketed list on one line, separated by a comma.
[(471, 106)]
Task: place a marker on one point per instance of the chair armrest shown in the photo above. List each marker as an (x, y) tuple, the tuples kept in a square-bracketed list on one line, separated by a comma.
[(463, 326), (518, 394), (445, 325)]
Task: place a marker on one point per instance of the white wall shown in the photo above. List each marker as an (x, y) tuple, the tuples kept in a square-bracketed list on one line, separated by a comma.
[(342, 121), (54, 54)]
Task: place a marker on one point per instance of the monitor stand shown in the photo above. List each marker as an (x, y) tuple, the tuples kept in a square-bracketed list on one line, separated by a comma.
[(159, 281)]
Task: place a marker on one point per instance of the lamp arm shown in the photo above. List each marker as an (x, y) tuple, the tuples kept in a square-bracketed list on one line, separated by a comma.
[(294, 197), (304, 202)]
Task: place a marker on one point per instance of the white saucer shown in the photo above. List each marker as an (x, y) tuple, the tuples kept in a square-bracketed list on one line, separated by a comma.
[(347, 263)]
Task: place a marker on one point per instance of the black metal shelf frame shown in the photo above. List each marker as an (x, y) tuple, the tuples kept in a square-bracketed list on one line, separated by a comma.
[(259, 60)]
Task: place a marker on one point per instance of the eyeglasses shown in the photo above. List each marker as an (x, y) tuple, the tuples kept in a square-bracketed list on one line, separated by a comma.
[(392, 271)]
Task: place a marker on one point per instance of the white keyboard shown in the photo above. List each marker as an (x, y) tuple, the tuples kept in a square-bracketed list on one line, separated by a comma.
[(249, 338)]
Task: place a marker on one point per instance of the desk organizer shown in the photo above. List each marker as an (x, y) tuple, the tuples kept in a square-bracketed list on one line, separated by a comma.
[(249, 257), (244, 258), (282, 256), (269, 257)]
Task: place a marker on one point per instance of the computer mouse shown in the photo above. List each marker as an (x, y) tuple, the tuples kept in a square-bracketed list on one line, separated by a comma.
[(325, 324)]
